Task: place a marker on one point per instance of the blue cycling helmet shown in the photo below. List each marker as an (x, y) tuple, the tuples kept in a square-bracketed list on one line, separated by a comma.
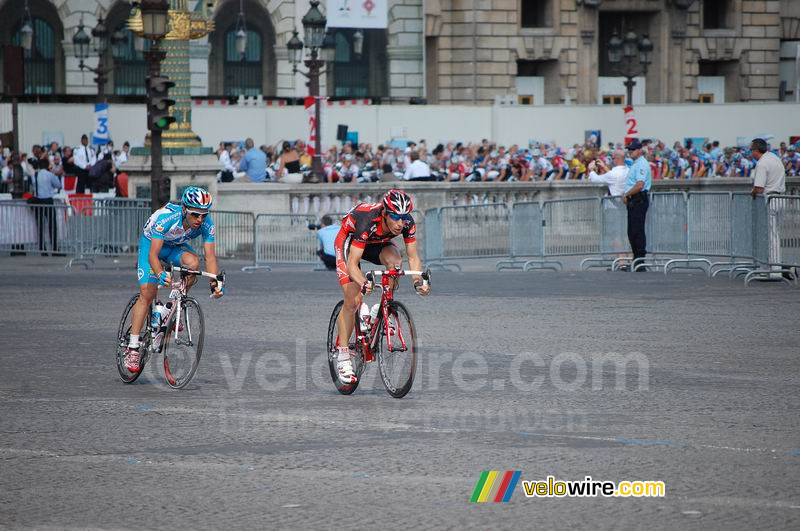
[(196, 197)]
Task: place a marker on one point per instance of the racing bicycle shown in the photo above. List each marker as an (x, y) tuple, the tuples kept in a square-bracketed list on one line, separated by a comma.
[(179, 336), (389, 337)]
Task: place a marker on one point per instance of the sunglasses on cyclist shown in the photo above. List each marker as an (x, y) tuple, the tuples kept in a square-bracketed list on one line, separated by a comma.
[(400, 217), (198, 215)]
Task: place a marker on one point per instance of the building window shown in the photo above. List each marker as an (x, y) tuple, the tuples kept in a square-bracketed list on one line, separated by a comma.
[(130, 66), (616, 99), (536, 13), (720, 78), (359, 75), (540, 80), (787, 69), (706, 98), (242, 73), (717, 14), (350, 71), (40, 69)]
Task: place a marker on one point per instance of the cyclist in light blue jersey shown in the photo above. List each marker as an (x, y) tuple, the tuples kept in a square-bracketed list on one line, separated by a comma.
[(165, 238)]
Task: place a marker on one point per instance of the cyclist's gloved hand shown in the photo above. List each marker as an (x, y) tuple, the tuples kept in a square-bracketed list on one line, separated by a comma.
[(216, 291), (422, 288), (164, 278), (366, 287)]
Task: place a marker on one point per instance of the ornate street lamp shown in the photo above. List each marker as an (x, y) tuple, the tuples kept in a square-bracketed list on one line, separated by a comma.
[(358, 42), (295, 47), (155, 17), (100, 34), (622, 53), (645, 50), (629, 44), (614, 48), (241, 32), (26, 31), (81, 43), (314, 23), (320, 48)]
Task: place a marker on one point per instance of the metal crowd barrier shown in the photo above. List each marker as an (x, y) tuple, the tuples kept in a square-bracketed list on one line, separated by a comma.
[(108, 231), (759, 238), (234, 235), (526, 241), (42, 229), (283, 239), (107, 228), (613, 234), (465, 232), (777, 238)]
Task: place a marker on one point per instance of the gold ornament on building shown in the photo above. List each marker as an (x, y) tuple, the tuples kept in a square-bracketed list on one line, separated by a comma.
[(184, 25)]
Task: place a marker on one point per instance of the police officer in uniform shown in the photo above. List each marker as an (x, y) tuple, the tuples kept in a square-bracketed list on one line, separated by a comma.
[(637, 187)]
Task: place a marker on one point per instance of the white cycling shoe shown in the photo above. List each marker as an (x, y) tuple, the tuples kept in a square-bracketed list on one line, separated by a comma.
[(345, 365)]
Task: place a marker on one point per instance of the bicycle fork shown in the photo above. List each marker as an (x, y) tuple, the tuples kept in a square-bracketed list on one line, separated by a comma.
[(391, 331)]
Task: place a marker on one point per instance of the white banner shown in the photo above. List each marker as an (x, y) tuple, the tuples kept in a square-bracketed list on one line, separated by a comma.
[(358, 14), (101, 136)]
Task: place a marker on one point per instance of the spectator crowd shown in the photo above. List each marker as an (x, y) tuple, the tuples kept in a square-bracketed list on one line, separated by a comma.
[(485, 161), (95, 168), (101, 168)]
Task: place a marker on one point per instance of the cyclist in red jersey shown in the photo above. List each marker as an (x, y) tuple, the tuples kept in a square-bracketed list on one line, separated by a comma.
[(366, 234)]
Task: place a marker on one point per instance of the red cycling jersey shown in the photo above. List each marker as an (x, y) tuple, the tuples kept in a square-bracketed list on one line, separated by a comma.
[(362, 227)]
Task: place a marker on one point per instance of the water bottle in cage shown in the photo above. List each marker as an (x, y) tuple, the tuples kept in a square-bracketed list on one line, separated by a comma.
[(363, 317), (158, 313)]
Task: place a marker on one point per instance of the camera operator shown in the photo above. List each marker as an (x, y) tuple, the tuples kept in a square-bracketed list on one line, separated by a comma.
[(326, 235)]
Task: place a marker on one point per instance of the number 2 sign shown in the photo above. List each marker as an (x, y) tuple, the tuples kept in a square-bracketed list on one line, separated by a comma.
[(631, 124)]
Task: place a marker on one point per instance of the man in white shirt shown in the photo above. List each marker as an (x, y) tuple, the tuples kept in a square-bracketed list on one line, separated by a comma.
[(228, 167), (615, 177), (122, 156), (417, 170), (770, 179), (84, 158), (770, 174)]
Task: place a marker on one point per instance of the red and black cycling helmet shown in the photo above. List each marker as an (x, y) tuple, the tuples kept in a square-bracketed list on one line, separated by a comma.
[(397, 202)]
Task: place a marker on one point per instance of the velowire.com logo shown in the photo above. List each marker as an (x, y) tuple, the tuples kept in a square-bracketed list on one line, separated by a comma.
[(494, 486)]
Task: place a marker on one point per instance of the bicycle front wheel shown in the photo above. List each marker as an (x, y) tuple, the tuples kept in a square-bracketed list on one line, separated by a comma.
[(397, 351), (123, 338), (183, 344)]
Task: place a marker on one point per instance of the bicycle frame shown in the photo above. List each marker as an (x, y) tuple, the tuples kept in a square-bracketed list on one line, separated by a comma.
[(369, 340), (177, 294)]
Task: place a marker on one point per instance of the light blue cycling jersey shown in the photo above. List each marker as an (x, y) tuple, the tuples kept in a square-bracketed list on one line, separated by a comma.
[(167, 224)]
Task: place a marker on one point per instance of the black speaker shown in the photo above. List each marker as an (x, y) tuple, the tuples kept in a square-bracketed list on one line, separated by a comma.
[(341, 133)]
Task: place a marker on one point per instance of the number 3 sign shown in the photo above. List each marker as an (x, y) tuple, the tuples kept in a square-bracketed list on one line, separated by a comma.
[(631, 124)]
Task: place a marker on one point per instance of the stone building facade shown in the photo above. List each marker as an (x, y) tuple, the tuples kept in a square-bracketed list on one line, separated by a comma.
[(451, 51), (391, 65), (484, 46)]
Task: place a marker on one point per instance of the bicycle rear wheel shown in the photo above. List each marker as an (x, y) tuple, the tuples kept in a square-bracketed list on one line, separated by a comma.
[(123, 337), (357, 356), (183, 344), (397, 352)]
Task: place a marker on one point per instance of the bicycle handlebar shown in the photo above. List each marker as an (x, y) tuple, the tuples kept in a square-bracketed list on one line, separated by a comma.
[(393, 273), (220, 277)]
